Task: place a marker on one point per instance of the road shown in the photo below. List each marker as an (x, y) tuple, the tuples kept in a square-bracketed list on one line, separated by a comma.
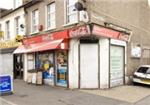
[(27, 94)]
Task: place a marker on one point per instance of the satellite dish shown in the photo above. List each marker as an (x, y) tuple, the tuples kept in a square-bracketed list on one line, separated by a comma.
[(79, 6)]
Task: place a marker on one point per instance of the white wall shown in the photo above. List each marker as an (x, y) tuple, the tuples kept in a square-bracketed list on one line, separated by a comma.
[(6, 64), (11, 17), (104, 63), (73, 63)]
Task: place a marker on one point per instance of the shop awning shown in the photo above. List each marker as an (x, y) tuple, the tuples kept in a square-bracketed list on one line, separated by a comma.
[(43, 46)]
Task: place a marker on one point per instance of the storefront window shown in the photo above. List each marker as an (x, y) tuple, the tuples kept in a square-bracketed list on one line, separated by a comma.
[(45, 62), (61, 57)]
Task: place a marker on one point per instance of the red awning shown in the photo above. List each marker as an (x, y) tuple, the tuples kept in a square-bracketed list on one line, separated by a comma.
[(43, 46)]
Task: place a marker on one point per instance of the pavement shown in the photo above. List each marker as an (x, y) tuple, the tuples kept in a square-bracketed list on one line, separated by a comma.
[(27, 94), (126, 93)]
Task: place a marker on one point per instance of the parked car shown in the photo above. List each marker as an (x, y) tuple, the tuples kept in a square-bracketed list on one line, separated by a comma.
[(142, 75)]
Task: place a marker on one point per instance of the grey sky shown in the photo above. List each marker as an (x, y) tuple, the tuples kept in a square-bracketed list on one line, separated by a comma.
[(6, 4)]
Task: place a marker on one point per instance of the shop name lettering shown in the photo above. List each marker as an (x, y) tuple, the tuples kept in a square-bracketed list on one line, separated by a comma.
[(46, 38), (9, 44), (4, 85), (81, 31)]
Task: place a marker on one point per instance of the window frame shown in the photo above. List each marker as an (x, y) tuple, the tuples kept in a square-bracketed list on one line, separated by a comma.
[(49, 13), (67, 13), (36, 19), (7, 29), (17, 23)]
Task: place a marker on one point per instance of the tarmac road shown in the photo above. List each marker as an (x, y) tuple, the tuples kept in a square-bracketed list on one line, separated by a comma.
[(27, 94)]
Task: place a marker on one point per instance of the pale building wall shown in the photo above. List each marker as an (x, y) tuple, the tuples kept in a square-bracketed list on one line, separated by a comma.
[(74, 63)]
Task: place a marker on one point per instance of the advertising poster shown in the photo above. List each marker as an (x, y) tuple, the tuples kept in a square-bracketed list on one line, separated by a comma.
[(45, 61), (62, 68), (5, 84)]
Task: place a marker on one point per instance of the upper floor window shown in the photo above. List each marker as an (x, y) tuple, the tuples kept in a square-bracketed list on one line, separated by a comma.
[(7, 30), (17, 25), (35, 21), (51, 20), (17, 3), (71, 13)]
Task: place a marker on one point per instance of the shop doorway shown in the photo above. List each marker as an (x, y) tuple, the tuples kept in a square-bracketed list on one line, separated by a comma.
[(89, 69), (18, 66), (116, 65), (62, 68)]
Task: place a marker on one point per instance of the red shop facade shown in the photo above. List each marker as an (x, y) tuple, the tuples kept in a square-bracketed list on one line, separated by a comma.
[(47, 54)]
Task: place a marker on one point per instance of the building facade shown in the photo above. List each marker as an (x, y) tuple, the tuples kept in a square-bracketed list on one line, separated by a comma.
[(12, 25), (89, 44)]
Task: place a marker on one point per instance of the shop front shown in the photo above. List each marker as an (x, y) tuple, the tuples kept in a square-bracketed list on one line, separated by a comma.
[(46, 54), (88, 56), (97, 57), (6, 57)]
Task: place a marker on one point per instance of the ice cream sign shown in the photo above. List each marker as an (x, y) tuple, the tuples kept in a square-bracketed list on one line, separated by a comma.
[(5, 84)]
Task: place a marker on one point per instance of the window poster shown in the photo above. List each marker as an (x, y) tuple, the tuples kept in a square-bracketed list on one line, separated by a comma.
[(136, 51), (61, 57), (45, 61)]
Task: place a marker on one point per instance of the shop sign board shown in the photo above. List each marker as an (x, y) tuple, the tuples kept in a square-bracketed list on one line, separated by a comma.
[(105, 32), (5, 84), (1, 34), (9, 44), (79, 31), (46, 37), (136, 51)]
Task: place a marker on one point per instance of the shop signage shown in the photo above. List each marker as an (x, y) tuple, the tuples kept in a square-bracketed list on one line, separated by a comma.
[(124, 37), (9, 44), (46, 37), (105, 32), (136, 51), (1, 34), (5, 84), (79, 31)]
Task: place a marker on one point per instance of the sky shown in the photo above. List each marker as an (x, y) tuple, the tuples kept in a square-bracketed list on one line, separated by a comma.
[(8, 4)]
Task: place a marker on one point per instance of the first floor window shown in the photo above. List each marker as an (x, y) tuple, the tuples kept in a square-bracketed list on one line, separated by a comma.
[(7, 30), (71, 13), (17, 25), (51, 16), (35, 21)]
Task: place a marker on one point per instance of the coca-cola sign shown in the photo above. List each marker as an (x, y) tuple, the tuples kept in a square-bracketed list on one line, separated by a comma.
[(79, 31)]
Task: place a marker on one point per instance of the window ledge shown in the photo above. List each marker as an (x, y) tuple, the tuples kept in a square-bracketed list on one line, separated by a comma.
[(70, 24), (34, 33), (49, 29)]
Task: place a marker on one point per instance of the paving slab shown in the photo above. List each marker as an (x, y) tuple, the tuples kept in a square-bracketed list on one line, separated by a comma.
[(126, 93)]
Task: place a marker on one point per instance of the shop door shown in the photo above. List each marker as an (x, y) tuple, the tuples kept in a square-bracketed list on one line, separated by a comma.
[(89, 65), (62, 68), (116, 66), (18, 66)]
